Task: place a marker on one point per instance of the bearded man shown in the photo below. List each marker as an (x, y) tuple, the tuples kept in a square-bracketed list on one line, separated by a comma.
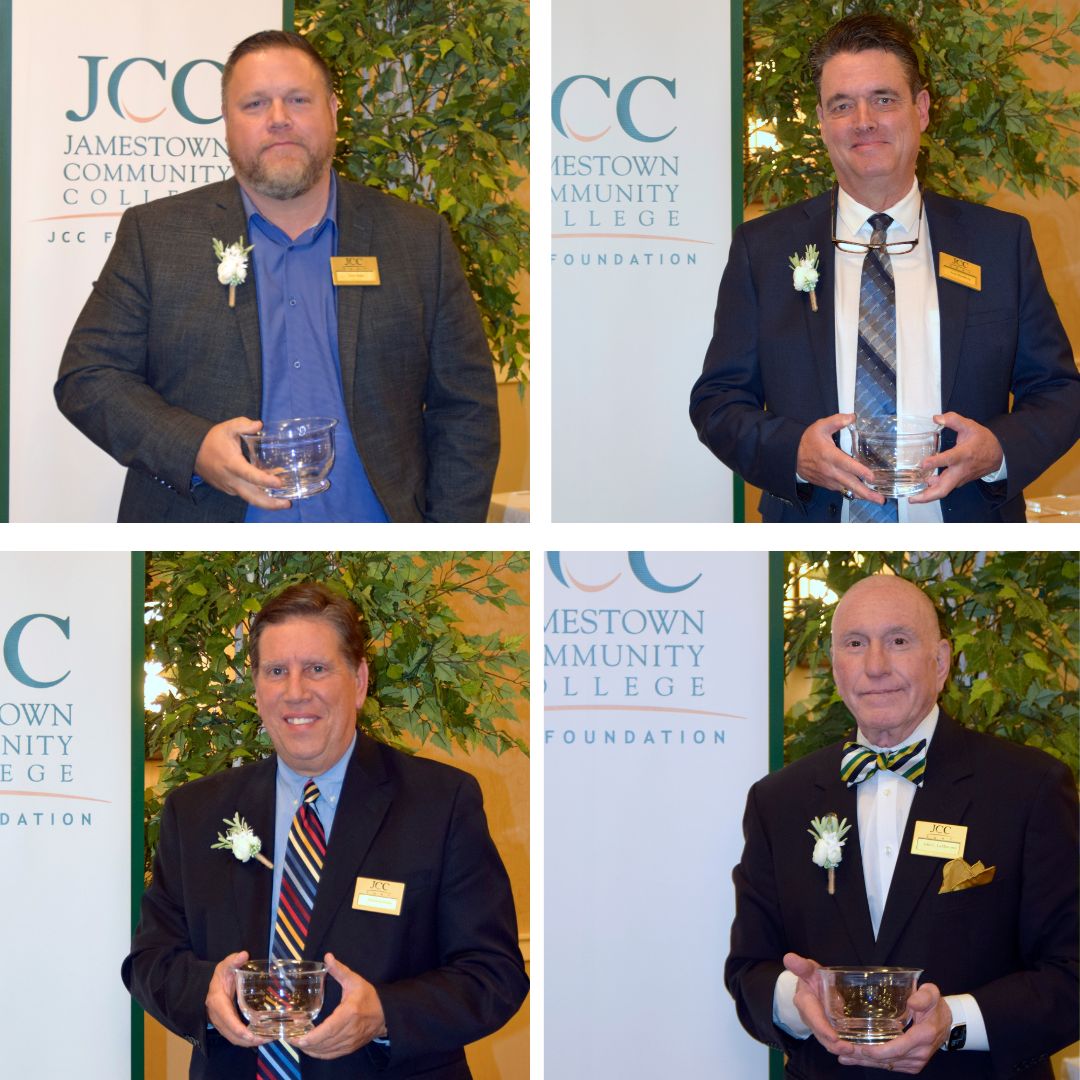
[(176, 354)]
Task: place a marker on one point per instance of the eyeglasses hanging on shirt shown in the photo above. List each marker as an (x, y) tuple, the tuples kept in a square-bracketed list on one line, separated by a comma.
[(892, 247)]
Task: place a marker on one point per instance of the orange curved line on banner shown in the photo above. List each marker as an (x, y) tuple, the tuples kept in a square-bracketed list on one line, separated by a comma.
[(53, 795), (69, 217), (139, 119), (639, 708), (592, 588), (625, 236), (587, 138)]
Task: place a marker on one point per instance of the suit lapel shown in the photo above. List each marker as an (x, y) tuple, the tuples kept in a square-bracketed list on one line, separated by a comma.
[(230, 222), (252, 883), (820, 324), (365, 798), (355, 232), (849, 899), (946, 235), (944, 797)]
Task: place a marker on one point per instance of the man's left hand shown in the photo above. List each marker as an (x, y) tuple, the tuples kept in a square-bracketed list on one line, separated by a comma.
[(909, 1053), (354, 1023), (977, 453)]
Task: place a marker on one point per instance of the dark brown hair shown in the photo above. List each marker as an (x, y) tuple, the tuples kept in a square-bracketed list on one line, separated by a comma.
[(274, 39), (313, 600), (857, 33)]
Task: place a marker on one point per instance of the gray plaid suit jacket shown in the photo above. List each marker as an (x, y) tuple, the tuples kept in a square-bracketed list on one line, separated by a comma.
[(158, 357)]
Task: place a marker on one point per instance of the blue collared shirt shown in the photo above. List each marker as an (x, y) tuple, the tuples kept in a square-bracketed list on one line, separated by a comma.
[(301, 375), (289, 792)]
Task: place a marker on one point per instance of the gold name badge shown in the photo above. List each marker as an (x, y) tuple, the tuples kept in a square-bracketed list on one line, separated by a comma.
[(960, 270), (937, 839), (374, 894), (355, 270)]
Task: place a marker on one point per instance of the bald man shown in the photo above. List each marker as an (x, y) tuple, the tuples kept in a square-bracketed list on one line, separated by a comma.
[(999, 989)]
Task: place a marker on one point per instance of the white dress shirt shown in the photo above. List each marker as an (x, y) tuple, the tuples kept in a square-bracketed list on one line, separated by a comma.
[(918, 321), (883, 804)]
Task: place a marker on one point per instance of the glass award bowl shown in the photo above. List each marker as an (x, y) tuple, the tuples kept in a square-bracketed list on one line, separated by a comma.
[(300, 451), (280, 998), (868, 1004), (894, 447)]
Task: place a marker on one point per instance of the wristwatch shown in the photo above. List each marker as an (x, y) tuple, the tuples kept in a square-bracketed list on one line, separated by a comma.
[(957, 1037)]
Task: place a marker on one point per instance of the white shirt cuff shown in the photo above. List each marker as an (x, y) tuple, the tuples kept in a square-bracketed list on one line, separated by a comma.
[(1001, 473), (965, 1010), (784, 1013)]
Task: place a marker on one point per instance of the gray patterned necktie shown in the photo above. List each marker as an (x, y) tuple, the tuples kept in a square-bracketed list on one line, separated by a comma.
[(875, 367)]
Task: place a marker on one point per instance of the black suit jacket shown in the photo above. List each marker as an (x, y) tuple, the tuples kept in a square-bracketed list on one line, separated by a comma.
[(158, 357), (448, 969), (770, 370), (1012, 943)]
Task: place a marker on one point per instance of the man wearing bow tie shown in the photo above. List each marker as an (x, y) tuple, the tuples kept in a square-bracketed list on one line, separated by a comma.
[(999, 990), (924, 306)]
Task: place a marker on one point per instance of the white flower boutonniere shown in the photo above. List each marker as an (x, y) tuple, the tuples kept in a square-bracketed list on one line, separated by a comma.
[(241, 841), (805, 276), (828, 834), (232, 265)]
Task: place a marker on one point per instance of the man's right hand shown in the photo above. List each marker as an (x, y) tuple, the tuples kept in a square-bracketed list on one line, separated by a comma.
[(822, 463), (221, 1004), (221, 463), (808, 1000)]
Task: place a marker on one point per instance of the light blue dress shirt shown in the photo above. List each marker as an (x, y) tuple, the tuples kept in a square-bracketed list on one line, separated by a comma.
[(289, 792)]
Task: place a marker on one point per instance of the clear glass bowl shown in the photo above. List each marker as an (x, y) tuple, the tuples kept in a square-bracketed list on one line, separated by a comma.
[(280, 998), (868, 1004), (894, 447), (300, 451)]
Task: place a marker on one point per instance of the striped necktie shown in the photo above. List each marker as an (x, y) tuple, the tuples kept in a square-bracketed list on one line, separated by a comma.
[(304, 854), (875, 366), (859, 763)]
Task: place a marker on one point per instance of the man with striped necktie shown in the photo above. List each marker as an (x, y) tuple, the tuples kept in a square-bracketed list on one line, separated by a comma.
[(433, 965), (999, 990), (918, 305)]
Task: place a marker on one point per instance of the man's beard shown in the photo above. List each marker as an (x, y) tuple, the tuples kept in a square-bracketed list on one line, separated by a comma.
[(285, 179)]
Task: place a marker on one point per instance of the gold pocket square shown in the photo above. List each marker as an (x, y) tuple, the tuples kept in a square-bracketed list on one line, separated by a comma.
[(957, 874)]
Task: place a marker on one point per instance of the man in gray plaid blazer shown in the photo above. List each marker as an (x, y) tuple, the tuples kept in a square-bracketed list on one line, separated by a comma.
[(167, 367)]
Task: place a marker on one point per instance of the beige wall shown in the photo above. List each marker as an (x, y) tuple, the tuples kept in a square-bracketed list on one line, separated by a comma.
[(505, 784)]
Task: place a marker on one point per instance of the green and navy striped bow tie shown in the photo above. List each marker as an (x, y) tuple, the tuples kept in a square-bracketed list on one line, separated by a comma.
[(859, 763)]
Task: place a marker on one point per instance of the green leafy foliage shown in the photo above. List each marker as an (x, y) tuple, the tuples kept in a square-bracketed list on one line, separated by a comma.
[(429, 681), (989, 126), (435, 109), (1012, 618)]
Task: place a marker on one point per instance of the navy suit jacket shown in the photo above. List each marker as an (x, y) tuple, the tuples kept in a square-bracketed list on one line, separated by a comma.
[(447, 970), (1012, 943), (158, 357), (770, 369)]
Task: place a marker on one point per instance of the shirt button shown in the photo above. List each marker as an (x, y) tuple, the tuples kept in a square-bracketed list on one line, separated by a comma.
[(888, 849), (296, 363), (292, 301), (887, 792)]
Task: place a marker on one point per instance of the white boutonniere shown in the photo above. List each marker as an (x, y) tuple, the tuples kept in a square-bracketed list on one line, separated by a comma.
[(805, 273), (232, 265), (828, 834), (241, 841)]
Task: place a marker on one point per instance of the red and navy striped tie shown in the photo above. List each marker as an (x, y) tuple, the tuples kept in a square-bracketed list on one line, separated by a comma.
[(304, 854)]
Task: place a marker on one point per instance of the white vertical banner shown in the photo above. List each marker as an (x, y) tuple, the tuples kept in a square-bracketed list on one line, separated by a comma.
[(640, 226), (656, 693), (119, 104), (65, 820)]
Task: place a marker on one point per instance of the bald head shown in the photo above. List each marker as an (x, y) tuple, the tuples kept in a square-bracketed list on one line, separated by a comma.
[(889, 659)]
